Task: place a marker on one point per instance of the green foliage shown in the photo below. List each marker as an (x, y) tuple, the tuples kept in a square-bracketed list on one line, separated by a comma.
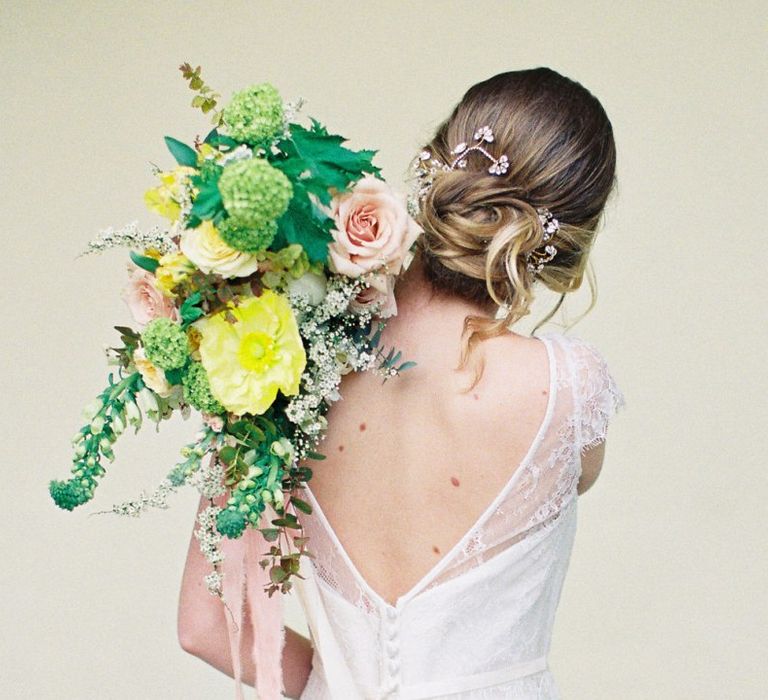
[(189, 310), (184, 155), (207, 204), (206, 99), (320, 162), (144, 261), (305, 224), (93, 442)]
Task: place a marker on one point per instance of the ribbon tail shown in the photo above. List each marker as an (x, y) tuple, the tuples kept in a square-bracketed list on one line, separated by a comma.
[(266, 615), (233, 590)]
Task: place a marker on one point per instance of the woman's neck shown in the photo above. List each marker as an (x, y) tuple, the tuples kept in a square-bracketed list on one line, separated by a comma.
[(416, 297)]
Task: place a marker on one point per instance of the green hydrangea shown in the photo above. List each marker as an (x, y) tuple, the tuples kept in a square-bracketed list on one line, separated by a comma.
[(249, 240), (254, 193), (197, 390), (255, 115), (230, 523), (165, 343)]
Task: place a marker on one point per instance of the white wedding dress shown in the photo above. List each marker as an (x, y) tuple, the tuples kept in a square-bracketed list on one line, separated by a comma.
[(479, 624)]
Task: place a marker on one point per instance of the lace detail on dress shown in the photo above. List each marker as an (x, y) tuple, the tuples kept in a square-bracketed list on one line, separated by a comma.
[(600, 396)]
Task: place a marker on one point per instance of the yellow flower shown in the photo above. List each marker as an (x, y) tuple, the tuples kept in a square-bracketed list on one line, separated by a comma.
[(165, 199), (173, 268), (249, 360)]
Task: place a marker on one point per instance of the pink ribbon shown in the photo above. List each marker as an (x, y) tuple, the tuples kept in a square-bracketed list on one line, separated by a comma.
[(243, 589)]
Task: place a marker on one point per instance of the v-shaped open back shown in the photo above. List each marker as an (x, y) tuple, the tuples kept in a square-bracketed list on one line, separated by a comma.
[(445, 562)]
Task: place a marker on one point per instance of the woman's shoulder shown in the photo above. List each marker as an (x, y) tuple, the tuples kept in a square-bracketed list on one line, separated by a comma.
[(596, 392)]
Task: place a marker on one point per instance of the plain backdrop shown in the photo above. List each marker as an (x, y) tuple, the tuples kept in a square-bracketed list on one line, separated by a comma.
[(665, 596)]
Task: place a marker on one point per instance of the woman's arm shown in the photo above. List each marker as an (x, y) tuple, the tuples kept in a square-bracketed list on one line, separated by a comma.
[(591, 464), (202, 629)]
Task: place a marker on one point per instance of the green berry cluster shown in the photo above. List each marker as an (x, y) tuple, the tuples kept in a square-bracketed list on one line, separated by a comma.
[(254, 193), (197, 389), (255, 115), (165, 343)]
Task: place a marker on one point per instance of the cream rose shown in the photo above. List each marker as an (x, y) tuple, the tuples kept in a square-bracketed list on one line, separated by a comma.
[(372, 229), (153, 376), (144, 300), (205, 248)]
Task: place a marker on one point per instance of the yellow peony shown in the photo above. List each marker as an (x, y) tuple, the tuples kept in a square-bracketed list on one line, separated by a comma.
[(166, 197), (249, 360)]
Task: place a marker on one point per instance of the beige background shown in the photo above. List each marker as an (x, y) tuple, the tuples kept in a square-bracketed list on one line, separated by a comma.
[(665, 596)]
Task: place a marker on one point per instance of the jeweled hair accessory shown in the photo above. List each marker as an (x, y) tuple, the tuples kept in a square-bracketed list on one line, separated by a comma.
[(536, 259), (426, 166)]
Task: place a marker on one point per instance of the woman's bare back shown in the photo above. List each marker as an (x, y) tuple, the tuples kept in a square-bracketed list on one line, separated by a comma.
[(413, 463)]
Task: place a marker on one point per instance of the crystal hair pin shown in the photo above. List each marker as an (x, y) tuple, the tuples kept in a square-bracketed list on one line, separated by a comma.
[(536, 259), (427, 166)]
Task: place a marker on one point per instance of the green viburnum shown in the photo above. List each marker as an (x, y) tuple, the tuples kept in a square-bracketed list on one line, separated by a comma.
[(255, 115), (249, 240), (197, 390), (254, 193), (165, 343)]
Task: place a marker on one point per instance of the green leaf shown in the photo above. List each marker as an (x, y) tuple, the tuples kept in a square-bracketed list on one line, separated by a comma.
[(270, 533), (305, 224), (303, 506), (315, 455), (208, 200), (189, 310), (174, 375), (277, 574), (227, 454), (183, 154), (406, 365), (214, 138), (320, 162), (145, 262)]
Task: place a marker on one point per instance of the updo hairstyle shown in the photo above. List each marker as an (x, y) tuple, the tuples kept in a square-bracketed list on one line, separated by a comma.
[(479, 227)]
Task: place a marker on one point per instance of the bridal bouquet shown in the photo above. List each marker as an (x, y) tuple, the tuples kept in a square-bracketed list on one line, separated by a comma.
[(269, 282)]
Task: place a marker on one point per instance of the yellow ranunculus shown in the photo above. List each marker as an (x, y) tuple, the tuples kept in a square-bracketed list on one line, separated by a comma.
[(166, 197), (249, 360), (173, 268)]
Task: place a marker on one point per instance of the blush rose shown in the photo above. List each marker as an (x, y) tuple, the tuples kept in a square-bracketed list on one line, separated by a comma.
[(373, 229), (144, 300)]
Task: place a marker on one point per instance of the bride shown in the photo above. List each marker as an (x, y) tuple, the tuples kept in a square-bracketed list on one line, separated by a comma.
[(444, 515)]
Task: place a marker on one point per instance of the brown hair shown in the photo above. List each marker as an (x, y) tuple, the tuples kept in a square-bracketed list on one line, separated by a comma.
[(478, 227)]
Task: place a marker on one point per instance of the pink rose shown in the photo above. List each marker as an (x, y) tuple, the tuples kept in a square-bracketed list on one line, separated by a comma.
[(145, 301), (373, 228), (382, 290)]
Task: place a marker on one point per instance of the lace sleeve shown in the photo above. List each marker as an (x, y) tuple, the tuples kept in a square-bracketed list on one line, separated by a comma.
[(598, 395)]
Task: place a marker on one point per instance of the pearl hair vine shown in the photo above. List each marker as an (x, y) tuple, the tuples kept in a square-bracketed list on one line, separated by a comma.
[(426, 167)]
